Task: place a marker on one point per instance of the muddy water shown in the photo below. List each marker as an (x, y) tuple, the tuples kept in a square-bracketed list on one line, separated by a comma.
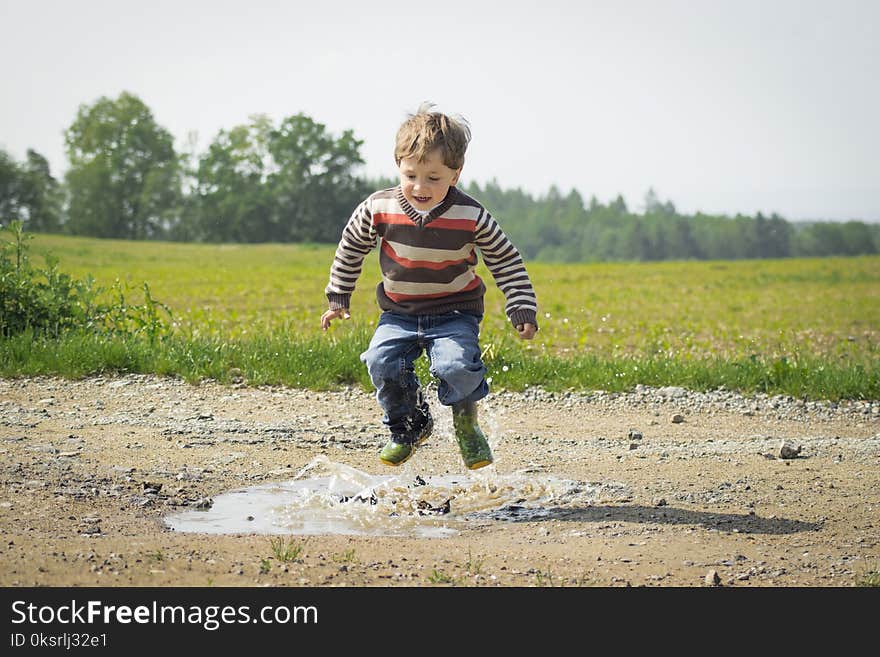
[(326, 497)]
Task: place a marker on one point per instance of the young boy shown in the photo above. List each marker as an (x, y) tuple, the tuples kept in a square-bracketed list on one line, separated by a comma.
[(429, 232)]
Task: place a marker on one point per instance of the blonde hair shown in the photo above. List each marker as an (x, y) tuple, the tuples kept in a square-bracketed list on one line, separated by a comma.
[(426, 131)]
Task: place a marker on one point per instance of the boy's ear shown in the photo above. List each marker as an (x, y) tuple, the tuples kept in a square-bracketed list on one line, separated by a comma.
[(456, 177)]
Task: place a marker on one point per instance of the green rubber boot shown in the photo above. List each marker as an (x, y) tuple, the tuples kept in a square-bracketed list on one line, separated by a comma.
[(396, 453), (411, 433), (471, 441)]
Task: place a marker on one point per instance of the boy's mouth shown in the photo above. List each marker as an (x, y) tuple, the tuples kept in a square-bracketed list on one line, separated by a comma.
[(422, 199)]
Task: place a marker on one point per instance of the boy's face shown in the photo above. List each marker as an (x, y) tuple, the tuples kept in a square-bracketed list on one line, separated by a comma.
[(426, 183)]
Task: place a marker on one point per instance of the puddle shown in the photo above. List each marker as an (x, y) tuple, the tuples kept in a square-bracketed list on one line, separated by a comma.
[(344, 500)]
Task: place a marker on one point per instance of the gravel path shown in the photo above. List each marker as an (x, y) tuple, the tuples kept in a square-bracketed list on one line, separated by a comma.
[(664, 487)]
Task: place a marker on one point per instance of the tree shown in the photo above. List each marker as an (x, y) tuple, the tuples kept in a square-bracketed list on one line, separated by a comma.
[(41, 194), (233, 200), (124, 178), (29, 193), (9, 181), (294, 182), (653, 204), (314, 183)]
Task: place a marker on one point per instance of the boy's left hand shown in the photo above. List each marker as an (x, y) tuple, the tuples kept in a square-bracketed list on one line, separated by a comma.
[(526, 331)]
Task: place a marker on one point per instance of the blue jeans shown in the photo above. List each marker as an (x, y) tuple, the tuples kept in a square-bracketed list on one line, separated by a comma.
[(451, 341)]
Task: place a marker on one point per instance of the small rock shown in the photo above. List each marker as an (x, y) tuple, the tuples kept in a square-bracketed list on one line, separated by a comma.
[(49, 449), (634, 435), (712, 578), (426, 508), (787, 450), (677, 418), (659, 501), (672, 391)]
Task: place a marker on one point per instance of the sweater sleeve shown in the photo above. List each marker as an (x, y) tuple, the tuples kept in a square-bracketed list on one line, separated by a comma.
[(506, 266), (358, 239)]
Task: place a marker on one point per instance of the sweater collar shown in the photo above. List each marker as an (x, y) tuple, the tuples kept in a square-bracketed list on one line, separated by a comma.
[(417, 217)]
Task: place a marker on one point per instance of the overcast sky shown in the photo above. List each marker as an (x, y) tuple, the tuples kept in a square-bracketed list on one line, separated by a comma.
[(723, 106)]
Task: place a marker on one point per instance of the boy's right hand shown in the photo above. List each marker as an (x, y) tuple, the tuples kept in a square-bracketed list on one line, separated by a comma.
[(330, 315)]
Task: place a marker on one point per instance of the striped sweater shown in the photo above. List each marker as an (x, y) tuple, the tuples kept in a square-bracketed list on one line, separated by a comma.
[(428, 262)]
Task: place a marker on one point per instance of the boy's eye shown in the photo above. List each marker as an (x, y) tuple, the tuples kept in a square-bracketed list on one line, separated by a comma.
[(434, 179)]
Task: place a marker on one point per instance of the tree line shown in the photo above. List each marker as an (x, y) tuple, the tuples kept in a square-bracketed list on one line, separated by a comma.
[(563, 228), (293, 181)]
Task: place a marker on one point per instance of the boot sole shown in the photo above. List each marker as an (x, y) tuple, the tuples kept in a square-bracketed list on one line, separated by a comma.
[(394, 465), (479, 464)]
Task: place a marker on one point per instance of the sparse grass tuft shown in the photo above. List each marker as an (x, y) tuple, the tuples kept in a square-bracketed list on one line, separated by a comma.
[(474, 566), (348, 556), (544, 578), (286, 550), (439, 577), (869, 578)]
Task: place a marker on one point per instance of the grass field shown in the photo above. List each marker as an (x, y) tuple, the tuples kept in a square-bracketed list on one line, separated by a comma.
[(663, 319)]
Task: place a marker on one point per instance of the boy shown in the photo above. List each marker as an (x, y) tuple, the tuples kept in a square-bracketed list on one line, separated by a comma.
[(429, 231)]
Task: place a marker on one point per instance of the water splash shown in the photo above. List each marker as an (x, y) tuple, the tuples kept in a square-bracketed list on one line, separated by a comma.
[(345, 500)]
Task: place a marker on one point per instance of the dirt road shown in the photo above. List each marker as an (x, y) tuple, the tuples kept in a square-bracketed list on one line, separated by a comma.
[(671, 488)]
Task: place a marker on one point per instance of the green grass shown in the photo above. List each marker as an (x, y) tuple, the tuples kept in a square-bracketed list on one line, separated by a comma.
[(870, 580), (332, 362), (870, 577), (474, 566), (804, 327), (439, 577), (543, 578), (348, 556), (286, 550)]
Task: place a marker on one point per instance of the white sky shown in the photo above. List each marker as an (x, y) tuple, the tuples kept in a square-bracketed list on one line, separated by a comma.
[(721, 106)]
